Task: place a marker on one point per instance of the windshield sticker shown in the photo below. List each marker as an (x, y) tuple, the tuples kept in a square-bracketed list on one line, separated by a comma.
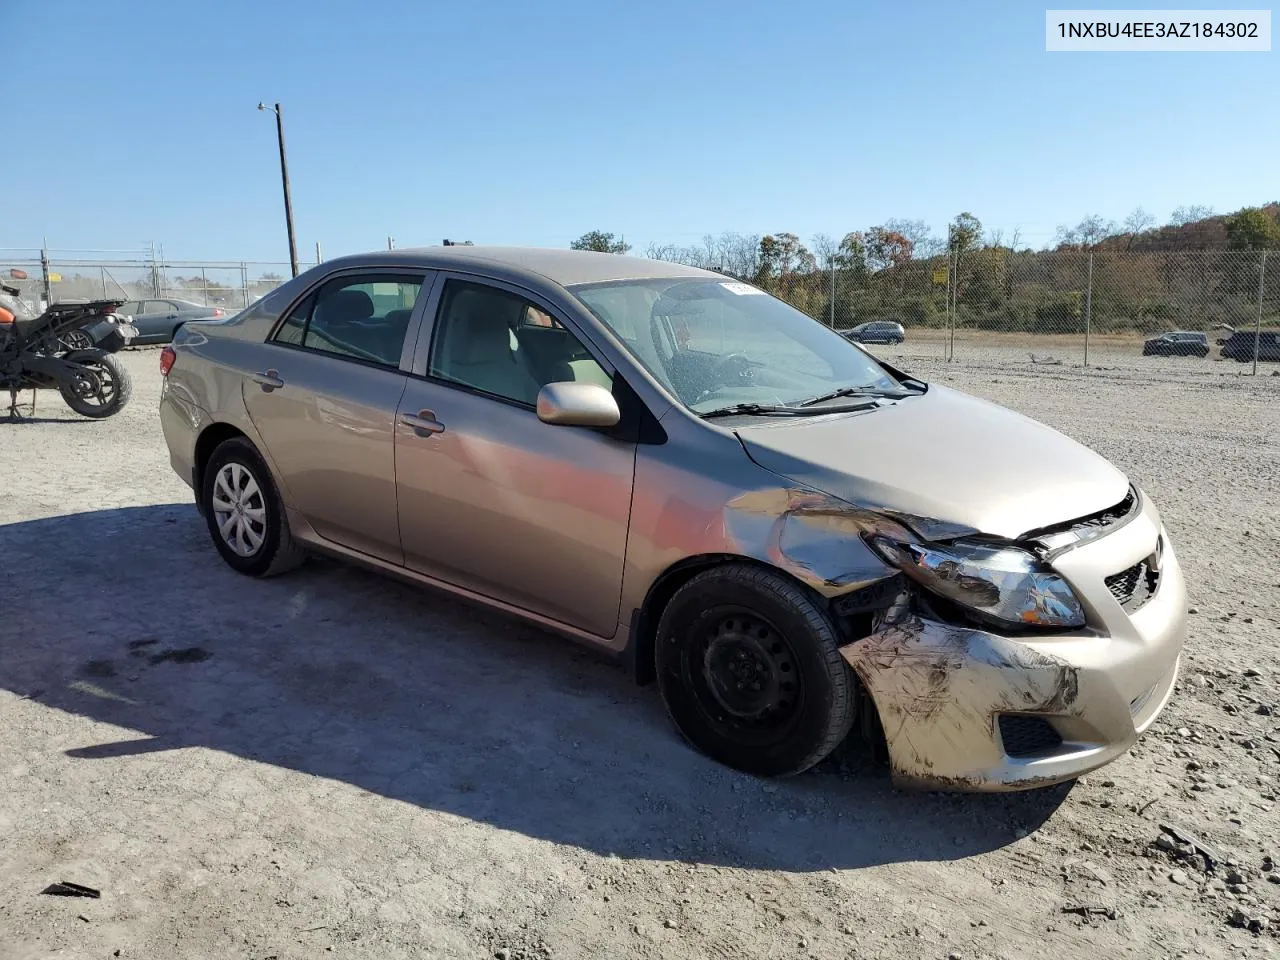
[(742, 289)]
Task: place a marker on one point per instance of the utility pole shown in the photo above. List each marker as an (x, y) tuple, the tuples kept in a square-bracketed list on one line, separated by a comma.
[(284, 179)]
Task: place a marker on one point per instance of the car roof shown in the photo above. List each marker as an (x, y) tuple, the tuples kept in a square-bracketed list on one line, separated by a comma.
[(565, 267)]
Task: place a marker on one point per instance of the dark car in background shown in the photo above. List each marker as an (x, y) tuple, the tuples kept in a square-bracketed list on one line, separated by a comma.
[(1240, 345), (877, 331), (1176, 343), (157, 318)]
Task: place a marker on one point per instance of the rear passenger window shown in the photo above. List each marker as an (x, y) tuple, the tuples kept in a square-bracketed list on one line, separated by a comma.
[(361, 318)]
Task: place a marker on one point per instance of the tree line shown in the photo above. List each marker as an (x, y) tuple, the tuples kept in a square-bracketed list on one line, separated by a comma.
[(1198, 269)]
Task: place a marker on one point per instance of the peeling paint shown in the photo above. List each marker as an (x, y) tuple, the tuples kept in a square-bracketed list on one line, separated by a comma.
[(938, 689), (815, 537)]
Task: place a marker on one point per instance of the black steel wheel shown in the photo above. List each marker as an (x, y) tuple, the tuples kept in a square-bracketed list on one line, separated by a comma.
[(99, 387), (749, 668), (78, 340)]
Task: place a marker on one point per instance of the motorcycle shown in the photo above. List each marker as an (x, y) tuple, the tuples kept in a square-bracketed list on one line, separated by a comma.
[(34, 355)]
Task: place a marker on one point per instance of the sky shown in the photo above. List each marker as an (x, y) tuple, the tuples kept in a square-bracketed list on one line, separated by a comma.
[(530, 123)]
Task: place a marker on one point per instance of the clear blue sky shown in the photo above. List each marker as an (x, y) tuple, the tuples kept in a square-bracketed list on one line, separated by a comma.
[(533, 122)]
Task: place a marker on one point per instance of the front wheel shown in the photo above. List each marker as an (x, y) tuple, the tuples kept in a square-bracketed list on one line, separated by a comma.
[(749, 668), (244, 512), (99, 387)]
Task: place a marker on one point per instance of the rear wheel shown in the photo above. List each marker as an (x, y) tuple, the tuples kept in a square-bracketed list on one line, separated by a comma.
[(98, 388), (749, 668), (78, 340), (245, 514)]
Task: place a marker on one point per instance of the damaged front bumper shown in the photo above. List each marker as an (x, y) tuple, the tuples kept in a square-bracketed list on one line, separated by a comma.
[(966, 708)]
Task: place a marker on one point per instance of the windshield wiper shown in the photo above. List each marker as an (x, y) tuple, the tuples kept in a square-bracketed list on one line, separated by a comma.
[(855, 392), (749, 410), (769, 409)]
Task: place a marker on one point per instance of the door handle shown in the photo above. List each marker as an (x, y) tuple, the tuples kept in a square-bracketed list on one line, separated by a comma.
[(424, 423), (269, 380)]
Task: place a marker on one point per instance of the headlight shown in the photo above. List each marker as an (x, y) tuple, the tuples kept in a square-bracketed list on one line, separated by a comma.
[(1004, 583)]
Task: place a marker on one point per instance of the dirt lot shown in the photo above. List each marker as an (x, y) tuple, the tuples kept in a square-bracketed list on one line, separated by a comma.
[(334, 764)]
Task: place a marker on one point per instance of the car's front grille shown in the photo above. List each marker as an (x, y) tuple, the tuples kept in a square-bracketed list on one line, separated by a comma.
[(1135, 586), (1027, 736)]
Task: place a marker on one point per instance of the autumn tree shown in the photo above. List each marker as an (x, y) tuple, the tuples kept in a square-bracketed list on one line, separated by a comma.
[(923, 243), (965, 232), (886, 248), (600, 242), (1252, 228), (781, 256)]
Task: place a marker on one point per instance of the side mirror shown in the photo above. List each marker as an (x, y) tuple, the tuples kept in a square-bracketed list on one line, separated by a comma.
[(577, 405)]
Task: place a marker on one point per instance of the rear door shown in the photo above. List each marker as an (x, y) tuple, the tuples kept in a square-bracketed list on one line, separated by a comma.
[(324, 400), (155, 319)]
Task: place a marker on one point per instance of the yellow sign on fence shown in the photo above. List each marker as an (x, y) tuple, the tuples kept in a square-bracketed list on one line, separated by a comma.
[(939, 276), (55, 277)]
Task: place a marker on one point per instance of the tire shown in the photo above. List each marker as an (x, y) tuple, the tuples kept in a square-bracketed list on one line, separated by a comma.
[(256, 550), (741, 622), (76, 395)]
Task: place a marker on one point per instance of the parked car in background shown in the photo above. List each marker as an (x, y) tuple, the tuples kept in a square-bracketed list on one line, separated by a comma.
[(1176, 343), (791, 537), (877, 331), (157, 318), (1240, 345)]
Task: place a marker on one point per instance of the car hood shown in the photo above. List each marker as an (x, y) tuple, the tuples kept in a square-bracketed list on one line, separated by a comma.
[(949, 461)]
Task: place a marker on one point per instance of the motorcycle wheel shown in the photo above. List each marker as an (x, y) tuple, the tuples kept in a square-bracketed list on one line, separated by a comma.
[(78, 340), (102, 391)]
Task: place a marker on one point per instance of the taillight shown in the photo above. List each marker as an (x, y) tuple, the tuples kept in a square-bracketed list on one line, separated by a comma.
[(167, 356)]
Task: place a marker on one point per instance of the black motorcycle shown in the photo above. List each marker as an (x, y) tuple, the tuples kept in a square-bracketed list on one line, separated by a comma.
[(34, 355)]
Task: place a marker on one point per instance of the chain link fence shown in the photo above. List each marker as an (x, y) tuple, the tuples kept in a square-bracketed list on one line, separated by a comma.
[(1064, 307), (989, 305), (53, 277)]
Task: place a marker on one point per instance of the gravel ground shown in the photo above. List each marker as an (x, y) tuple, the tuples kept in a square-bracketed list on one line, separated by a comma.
[(335, 763)]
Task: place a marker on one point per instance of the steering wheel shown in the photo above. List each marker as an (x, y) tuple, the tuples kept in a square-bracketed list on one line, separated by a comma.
[(731, 366)]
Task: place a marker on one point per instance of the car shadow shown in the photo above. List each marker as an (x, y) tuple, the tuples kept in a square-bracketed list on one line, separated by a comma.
[(128, 617)]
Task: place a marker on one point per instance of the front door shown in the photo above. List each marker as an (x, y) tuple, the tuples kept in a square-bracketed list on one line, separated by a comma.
[(491, 498), (324, 400)]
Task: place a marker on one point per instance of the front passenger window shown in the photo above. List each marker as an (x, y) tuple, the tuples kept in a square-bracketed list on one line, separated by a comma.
[(498, 342)]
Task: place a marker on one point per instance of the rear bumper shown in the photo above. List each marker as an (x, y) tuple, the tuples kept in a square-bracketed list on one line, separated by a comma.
[(942, 690), (181, 421)]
